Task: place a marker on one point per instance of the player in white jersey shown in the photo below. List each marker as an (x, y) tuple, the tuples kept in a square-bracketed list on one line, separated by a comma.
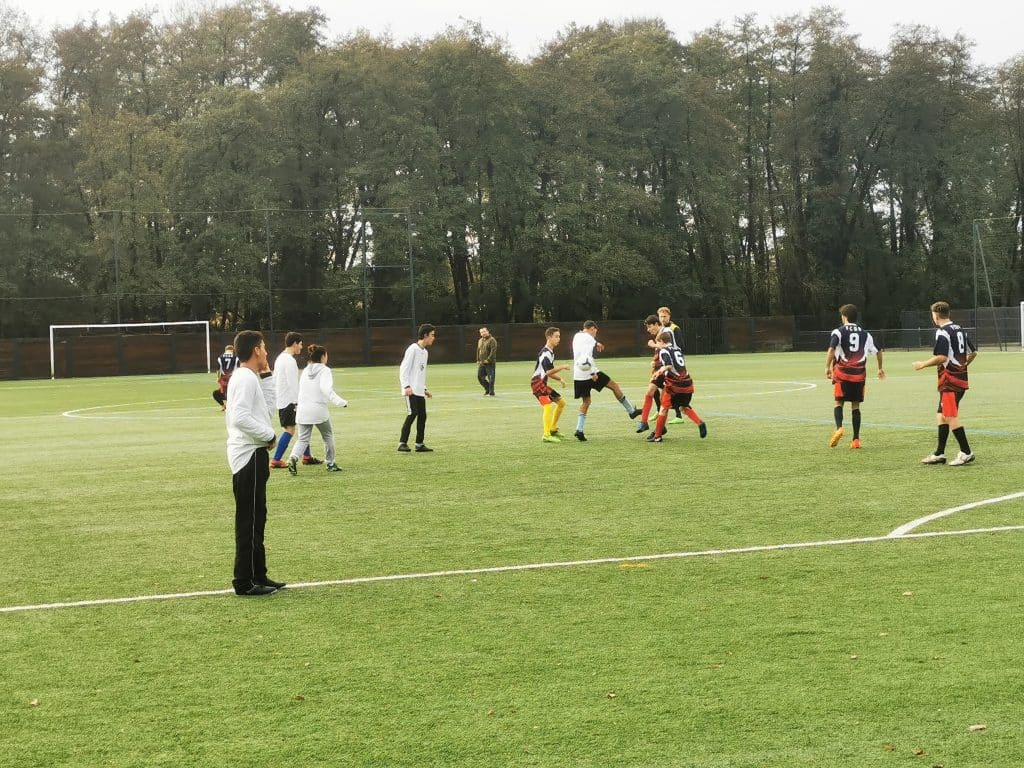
[(412, 377), (286, 378), (250, 434), (587, 377)]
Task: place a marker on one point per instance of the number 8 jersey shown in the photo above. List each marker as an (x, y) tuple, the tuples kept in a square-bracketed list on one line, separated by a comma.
[(951, 342)]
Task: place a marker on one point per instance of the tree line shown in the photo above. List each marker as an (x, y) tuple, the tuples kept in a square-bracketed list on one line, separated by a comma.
[(195, 168)]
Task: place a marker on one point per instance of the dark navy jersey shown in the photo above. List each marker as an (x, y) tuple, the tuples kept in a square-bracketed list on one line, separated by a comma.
[(545, 362), (672, 356), (851, 345), (677, 334), (226, 363), (952, 342)]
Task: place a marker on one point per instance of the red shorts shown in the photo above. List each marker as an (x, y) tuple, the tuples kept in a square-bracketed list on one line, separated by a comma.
[(949, 403), (543, 392)]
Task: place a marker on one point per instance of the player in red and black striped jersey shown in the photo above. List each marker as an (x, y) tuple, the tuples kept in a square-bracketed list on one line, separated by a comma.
[(846, 367), (952, 353), (653, 394), (552, 402), (227, 361), (677, 389), (665, 318)]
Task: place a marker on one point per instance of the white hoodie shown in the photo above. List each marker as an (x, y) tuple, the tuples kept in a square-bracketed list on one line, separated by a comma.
[(316, 388)]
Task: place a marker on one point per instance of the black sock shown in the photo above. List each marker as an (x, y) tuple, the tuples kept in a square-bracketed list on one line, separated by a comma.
[(837, 413), (961, 437), (856, 424), (943, 437)]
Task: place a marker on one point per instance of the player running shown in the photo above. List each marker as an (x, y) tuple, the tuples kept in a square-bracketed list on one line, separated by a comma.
[(227, 361)]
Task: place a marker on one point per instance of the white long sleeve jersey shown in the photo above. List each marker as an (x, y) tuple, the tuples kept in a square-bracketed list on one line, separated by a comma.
[(248, 416), (583, 364), (316, 389), (286, 377), (413, 371)]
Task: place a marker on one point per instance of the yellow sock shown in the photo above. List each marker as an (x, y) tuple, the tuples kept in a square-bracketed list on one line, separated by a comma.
[(559, 407), (549, 411)]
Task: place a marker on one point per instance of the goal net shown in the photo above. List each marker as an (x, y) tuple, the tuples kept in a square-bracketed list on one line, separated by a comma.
[(119, 330)]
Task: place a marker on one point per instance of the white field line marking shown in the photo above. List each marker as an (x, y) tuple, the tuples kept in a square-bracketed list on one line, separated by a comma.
[(513, 568), (84, 413), (162, 413), (906, 528)]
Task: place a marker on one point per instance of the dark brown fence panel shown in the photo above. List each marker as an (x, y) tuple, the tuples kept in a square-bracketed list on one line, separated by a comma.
[(9, 368)]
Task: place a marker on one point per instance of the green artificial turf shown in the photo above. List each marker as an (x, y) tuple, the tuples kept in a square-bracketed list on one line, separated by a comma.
[(879, 653)]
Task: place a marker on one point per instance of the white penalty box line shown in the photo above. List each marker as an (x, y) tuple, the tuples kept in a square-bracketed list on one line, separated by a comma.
[(894, 536)]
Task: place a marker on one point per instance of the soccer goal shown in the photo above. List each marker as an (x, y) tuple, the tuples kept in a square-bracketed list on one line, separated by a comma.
[(114, 326)]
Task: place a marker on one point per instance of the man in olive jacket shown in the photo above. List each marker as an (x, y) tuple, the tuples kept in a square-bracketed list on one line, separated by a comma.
[(486, 357)]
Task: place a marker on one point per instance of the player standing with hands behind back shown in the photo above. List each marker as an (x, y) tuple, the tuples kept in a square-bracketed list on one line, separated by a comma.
[(846, 367), (251, 400)]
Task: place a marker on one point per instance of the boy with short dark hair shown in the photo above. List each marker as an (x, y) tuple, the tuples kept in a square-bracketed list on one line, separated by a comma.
[(846, 367), (551, 401), (412, 377)]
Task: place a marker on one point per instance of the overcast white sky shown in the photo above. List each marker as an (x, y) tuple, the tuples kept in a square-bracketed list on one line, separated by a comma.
[(996, 26)]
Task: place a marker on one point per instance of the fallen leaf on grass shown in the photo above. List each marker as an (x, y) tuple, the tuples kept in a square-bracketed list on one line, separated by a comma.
[(908, 594), (854, 657), (889, 747), (612, 694), (977, 727), (34, 703), (918, 752), (298, 697)]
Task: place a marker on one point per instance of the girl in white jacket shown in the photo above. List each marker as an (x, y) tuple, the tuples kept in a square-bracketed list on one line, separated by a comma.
[(316, 388)]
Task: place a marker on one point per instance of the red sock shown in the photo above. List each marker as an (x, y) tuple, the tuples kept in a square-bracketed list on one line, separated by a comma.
[(659, 429), (692, 415), (648, 404)]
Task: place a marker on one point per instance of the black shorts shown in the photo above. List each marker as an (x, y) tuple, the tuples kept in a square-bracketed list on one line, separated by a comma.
[(583, 388), (287, 415), (848, 391), (676, 399)]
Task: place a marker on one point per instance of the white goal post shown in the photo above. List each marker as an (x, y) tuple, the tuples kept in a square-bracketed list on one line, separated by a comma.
[(204, 323)]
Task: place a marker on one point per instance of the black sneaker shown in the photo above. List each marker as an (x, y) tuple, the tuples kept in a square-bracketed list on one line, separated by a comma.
[(655, 438), (311, 460), (423, 449), (643, 426), (293, 466), (703, 430), (403, 448), (580, 436), (256, 590), (332, 467), (634, 413), (275, 584)]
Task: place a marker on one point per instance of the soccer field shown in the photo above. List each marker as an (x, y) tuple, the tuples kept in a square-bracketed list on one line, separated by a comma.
[(736, 601)]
